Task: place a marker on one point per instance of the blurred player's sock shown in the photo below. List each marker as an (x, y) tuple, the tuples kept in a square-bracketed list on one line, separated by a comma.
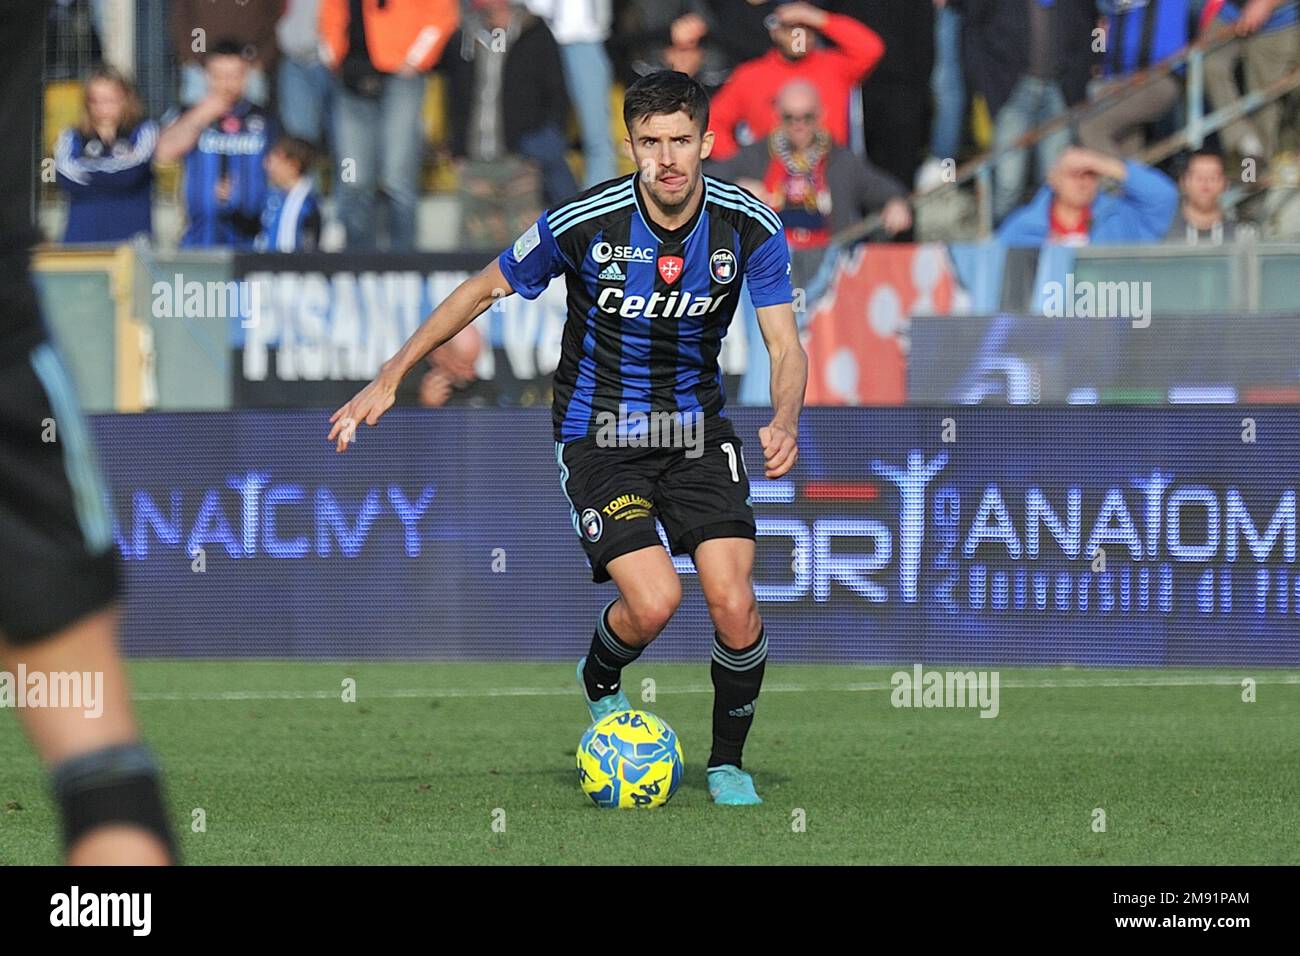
[(116, 785), (606, 659), (737, 677)]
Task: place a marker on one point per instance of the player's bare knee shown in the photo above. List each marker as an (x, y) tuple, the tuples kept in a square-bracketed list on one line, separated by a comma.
[(651, 612), (654, 616), (735, 615)]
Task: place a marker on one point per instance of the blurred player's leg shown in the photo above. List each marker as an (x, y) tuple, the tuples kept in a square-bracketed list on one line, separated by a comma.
[(649, 592), (60, 585), (725, 567), (58, 617), (97, 763)]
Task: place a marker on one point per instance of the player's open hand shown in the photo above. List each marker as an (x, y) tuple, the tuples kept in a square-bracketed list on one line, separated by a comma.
[(366, 406), (780, 450)]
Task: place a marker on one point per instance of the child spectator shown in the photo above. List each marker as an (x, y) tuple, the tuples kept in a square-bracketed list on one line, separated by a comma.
[(291, 220)]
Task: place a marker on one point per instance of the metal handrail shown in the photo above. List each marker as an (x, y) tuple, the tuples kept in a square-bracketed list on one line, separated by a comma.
[(1193, 134)]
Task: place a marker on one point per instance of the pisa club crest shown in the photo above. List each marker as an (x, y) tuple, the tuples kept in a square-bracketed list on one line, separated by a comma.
[(670, 267), (722, 265), (591, 525)]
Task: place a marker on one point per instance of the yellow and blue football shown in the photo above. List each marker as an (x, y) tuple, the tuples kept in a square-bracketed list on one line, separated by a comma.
[(630, 759)]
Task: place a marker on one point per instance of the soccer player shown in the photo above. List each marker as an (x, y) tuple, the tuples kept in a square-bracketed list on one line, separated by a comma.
[(654, 263), (59, 590)]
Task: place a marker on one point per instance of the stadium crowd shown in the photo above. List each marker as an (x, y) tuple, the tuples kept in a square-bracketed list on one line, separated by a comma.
[(294, 115)]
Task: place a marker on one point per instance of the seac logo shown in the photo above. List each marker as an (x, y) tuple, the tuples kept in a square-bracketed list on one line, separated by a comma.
[(603, 252), (722, 265)]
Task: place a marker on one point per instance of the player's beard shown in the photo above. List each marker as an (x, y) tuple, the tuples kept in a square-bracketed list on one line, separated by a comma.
[(667, 208)]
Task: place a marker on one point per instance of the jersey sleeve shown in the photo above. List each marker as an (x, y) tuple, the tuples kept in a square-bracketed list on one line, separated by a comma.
[(533, 261), (767, 273)]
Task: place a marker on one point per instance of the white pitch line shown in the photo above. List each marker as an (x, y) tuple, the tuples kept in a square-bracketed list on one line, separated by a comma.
[(444, 692)]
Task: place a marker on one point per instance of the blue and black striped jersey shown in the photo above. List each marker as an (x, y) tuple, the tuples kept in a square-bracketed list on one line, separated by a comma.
[(647, 307), (1140, 33), (232, 148)]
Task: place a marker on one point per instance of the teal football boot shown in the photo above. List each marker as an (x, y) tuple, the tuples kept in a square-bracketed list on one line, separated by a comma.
[(609, 704), (731, 787)]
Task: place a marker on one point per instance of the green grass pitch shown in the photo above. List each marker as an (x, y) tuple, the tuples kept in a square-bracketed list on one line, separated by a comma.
[(419, 767)]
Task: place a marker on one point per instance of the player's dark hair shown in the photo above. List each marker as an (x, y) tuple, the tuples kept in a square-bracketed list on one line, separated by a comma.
[(298, 151), (225, 48), (1203, 153), (665, 92)]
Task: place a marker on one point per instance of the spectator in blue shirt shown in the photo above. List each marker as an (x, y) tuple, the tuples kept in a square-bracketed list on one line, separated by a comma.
[(1070, 208), (223, 140), (104, 163), (291, 220)]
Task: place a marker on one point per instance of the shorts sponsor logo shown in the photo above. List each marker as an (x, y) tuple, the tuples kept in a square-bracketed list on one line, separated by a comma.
[(627, 507), (722, 266), (591, 525)]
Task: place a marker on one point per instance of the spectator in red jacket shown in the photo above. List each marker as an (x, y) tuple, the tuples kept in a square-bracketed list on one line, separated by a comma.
[(748, 98)]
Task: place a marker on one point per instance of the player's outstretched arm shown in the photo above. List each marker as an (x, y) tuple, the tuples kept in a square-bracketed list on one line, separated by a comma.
[(466, 303), (789, 378)]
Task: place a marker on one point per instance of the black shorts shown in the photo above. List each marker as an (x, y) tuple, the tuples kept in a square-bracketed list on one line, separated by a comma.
[(615, 494), (56, 536)]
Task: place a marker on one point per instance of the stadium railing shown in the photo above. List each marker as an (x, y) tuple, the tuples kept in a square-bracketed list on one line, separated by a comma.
[(1198, 126)]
